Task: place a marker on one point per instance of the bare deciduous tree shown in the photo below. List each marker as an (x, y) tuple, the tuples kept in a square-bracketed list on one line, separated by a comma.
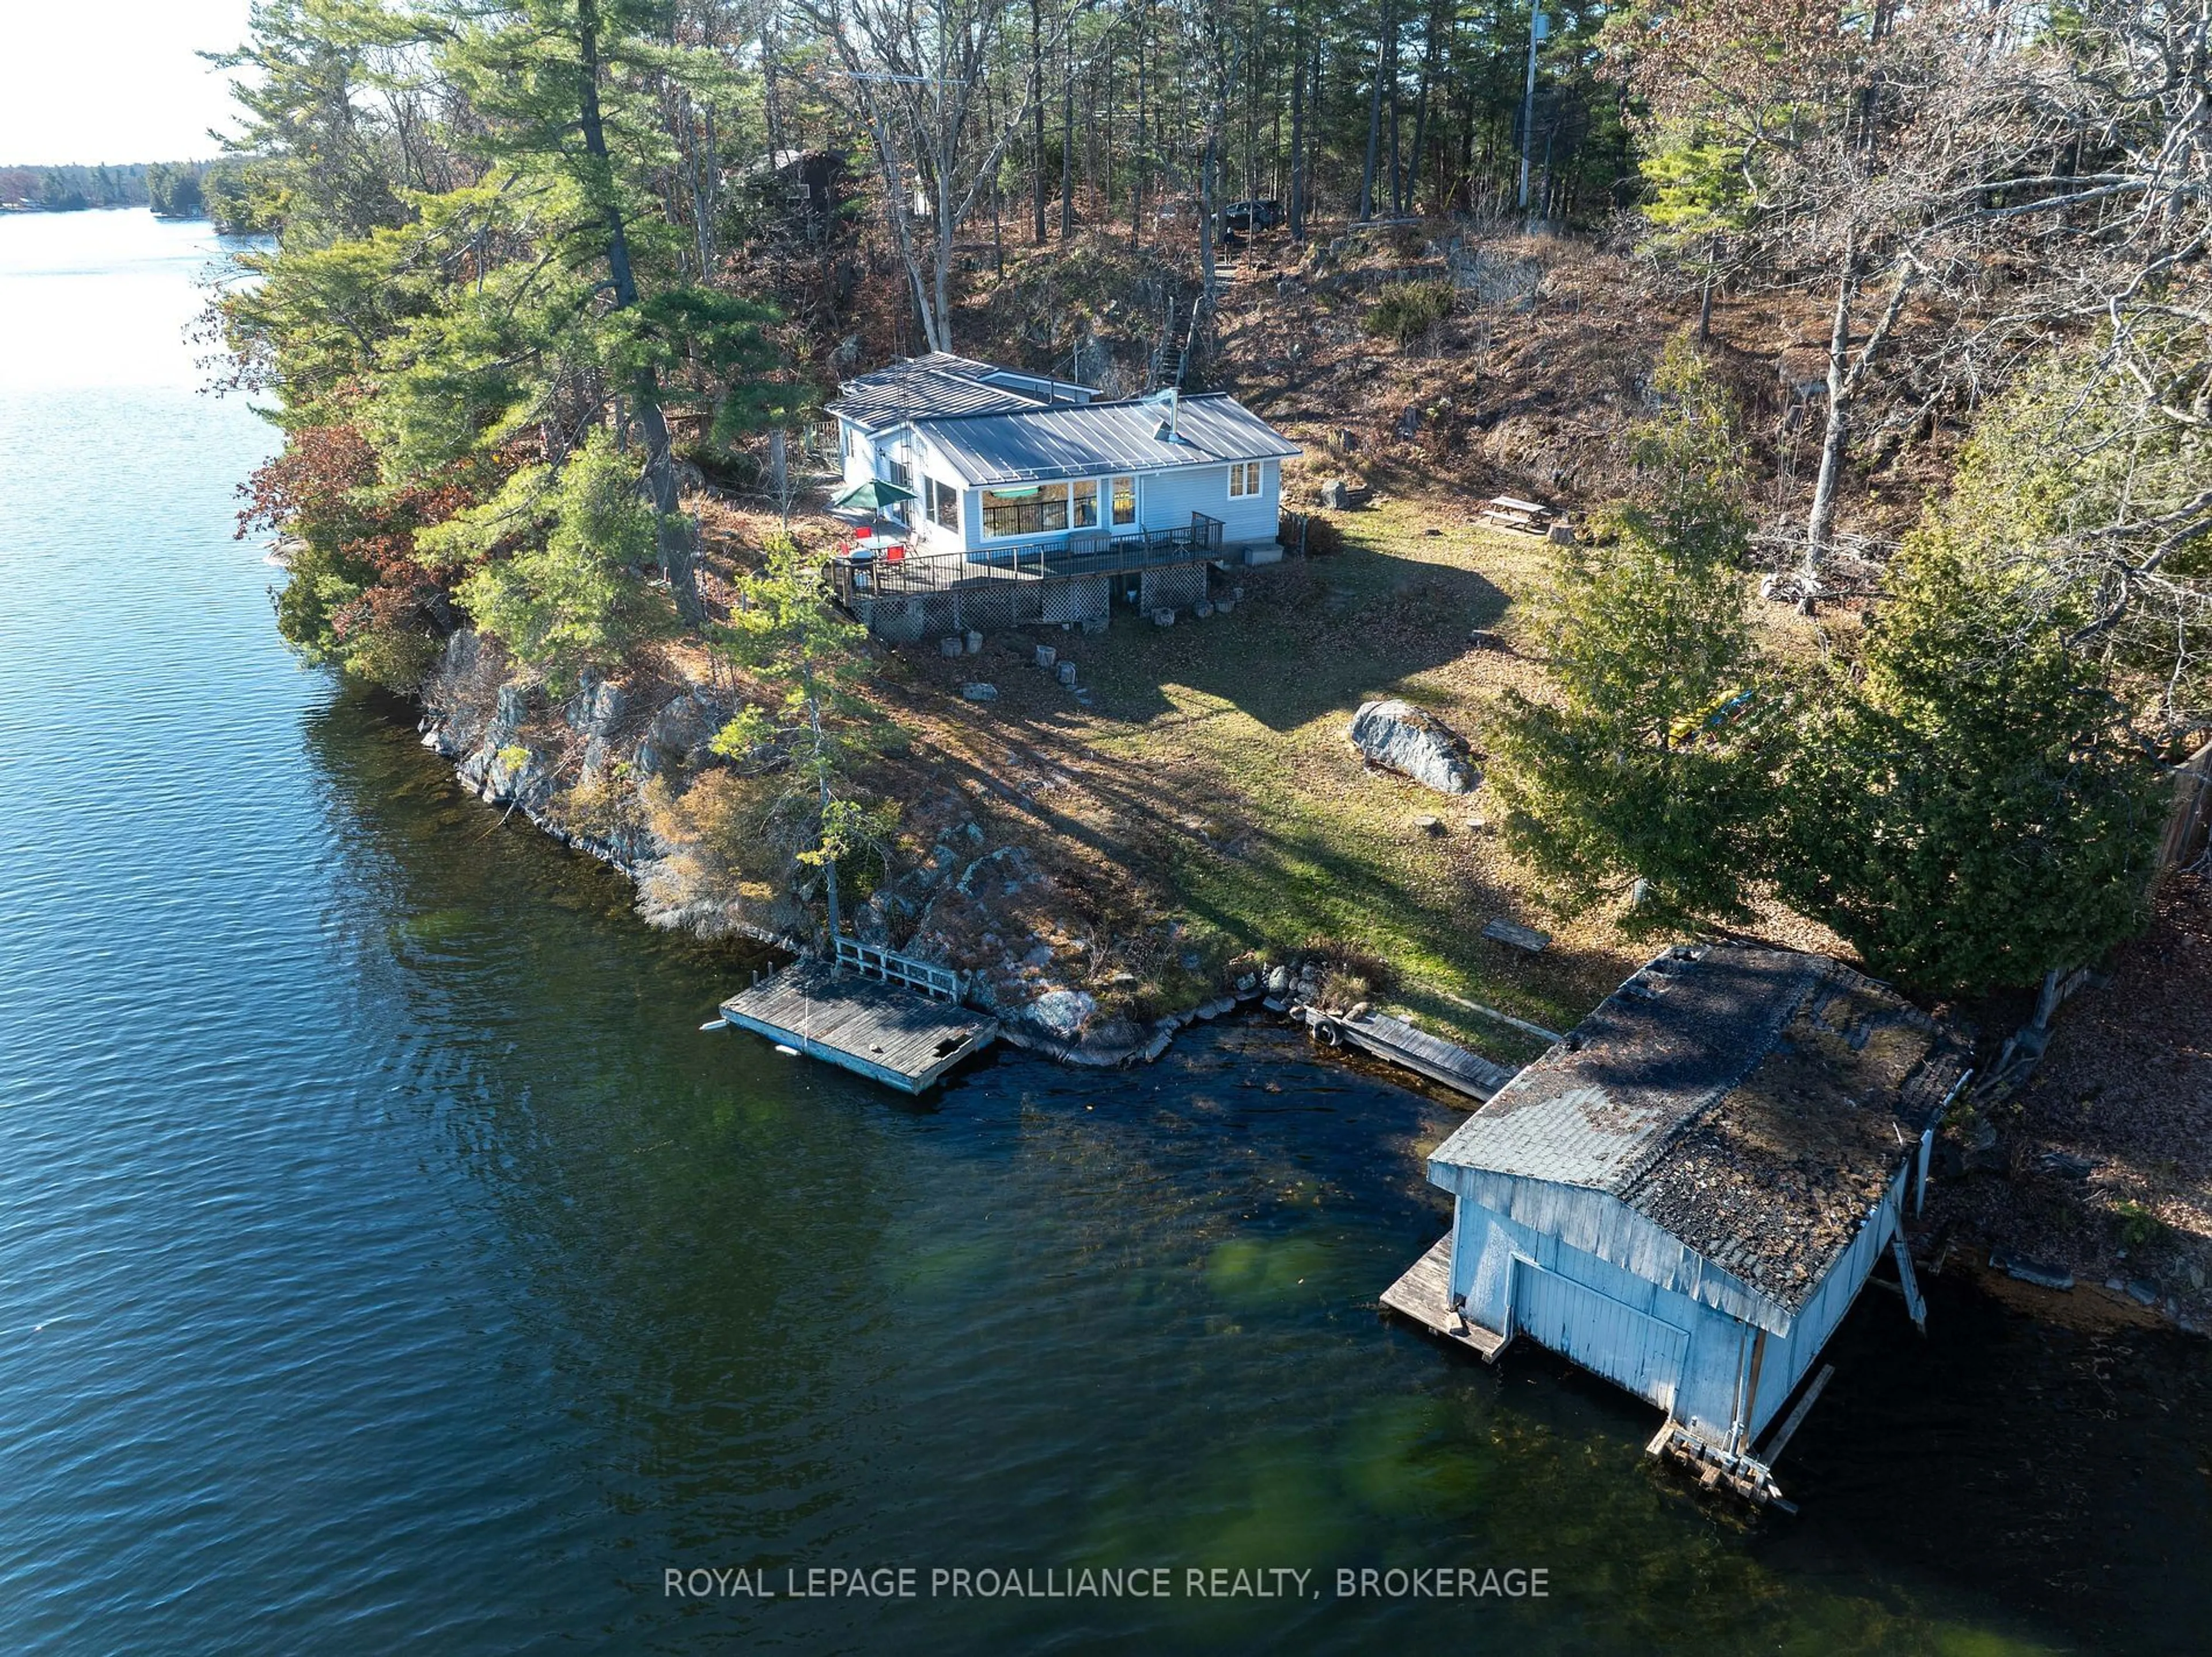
[(1911, 166), (913, 73)]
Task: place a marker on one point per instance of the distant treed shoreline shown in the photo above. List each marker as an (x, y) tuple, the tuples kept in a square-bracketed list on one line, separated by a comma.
[(179, 190)]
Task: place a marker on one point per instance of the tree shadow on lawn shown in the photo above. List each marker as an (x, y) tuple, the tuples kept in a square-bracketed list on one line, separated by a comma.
[(1216, 856), (1321, 890), (1308, 637)]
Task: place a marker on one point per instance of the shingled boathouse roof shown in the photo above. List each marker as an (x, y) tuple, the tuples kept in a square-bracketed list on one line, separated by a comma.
[(1754, 1103)]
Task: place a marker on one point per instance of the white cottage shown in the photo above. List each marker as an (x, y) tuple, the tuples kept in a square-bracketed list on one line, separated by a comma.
[(1687, 1193), (1022, 478)]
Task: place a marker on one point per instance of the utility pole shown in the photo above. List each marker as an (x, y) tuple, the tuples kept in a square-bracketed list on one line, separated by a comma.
[(1528, 98)]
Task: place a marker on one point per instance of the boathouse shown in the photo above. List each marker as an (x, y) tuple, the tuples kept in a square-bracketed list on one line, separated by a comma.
[(992, 497), (1686, 1193)]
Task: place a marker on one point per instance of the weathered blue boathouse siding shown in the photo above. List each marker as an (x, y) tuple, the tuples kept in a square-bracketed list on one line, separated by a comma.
[(1579, 1273)]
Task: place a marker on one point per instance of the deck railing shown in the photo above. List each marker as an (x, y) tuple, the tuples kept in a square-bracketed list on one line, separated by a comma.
[(1073, 556), (894, 968)]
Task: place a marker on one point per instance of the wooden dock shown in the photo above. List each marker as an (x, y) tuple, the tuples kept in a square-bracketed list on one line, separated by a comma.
[(1432, 1055), (847, 1017), (1424, 1295)]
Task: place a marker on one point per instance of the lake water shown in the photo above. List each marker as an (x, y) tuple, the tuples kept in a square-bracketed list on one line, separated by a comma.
[(387, 1262)]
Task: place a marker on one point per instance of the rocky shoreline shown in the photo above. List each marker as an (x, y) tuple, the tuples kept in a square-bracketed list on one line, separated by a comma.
[(512, 748), (586, 771)]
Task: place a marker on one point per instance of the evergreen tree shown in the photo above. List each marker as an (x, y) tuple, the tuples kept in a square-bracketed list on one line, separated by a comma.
[(318, 148), (1640, 768), (567, 92), (1975, 811), (60, 192), (508, 320), (568, 598), (173, 192), (784, 632)]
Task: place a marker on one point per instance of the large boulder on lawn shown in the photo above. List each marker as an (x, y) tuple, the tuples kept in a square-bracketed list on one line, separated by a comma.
[(1402, 738)]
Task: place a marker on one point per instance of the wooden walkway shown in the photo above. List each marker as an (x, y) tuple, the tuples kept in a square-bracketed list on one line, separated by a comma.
[(1424, 1295), (1433, 1056), (890, 1034)]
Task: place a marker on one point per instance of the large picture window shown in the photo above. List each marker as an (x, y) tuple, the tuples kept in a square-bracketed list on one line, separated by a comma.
[(1035, 510), (942, 501), (1244, 479), (1125, 502)]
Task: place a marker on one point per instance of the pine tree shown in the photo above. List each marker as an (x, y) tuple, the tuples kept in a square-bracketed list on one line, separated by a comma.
[(1640, 768), (784, 632), (569, 597), (1975, 811)]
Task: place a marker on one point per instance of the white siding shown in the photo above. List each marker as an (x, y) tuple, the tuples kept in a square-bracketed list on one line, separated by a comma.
[(858, 451), (867, 456), (1166, 500), (929, 463), (1254, 517), (1662, 1345)]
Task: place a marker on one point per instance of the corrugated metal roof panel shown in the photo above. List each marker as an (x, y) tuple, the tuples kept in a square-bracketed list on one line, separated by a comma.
[(1089, 440), (919, 387)]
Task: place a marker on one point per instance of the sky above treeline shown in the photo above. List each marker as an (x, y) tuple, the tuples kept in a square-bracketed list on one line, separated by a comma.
[(105, 81)]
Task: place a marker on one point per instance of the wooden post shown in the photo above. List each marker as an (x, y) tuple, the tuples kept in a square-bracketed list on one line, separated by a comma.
[(2192, 795), (1797, 1418), (1920, 1185), (1751, 1391), (1913, 1303)]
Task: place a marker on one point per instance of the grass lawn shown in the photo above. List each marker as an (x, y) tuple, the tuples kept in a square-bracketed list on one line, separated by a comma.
[(1211, 771)]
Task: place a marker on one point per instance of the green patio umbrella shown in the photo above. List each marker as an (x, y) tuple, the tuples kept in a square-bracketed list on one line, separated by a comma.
[(874, 496)]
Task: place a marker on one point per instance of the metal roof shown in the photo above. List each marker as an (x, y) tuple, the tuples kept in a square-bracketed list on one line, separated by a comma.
[(919, 387), (1091, 439), (1754, 1103)]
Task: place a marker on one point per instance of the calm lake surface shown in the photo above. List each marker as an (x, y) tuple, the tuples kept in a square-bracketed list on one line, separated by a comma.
[(387, 1262)]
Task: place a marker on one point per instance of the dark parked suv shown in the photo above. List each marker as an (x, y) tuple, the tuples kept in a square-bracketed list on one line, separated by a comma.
[(1252, 214)]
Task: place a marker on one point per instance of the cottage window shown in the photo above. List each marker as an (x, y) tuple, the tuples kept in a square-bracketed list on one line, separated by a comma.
[(944, 504), (1125, 502), (1082, 513), (1244, 480), (1035, 510), (899, 472)]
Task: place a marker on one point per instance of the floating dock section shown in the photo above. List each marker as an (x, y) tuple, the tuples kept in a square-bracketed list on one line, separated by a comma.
[(885, 1027), (1399, 1043)]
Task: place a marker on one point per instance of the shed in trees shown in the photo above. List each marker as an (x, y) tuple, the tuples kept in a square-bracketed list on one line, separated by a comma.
[(1687, 1192)]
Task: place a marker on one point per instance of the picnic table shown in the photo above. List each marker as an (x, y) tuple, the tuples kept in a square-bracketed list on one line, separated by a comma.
[(1527, 517)]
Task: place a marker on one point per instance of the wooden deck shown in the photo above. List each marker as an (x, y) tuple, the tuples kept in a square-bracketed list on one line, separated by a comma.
[(881, 1031), (1433, 1056), (1424, 1295), (1078, 555)]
